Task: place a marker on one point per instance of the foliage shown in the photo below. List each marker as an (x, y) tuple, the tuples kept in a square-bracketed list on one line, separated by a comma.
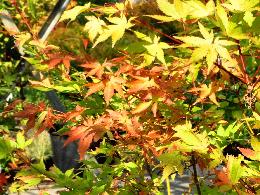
[(161, 103)]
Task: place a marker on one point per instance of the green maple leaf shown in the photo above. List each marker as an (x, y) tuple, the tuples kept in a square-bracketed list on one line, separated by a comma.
[(171, 163), (116, 30), (94, 27), (232, 29), (194, 141), (235, 170), (249, 18), (154, 49), (74, 12)]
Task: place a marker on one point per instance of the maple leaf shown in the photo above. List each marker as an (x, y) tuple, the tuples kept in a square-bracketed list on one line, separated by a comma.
[(114, 84), (56, 60), (141, 107), (207, 91), (234, 169), (154, 50), (90, 130), (172, 162), (180, 10), (3, 181), (96, 69), (44, 85), (30, 111), (141, 83), (74, 113), (222, 178), (11, 106), (47, 122), (109, 86), (94, 27), (242, 5), (21, 39), (94, 87), (232, 29), (207, 47), (74, 12), (116, 31), (252, 154), (176, 10), (193, 141)]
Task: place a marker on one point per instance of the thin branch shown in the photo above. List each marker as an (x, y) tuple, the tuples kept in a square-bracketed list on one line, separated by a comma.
[(175, 41), (243, 63), (256, 72), (195, 175), (219, 65)]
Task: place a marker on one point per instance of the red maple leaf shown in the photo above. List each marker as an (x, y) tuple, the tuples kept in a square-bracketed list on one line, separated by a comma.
[(48, 122), (57, 59), (3, 181), (74, 113), (11, 106), (30, 111)]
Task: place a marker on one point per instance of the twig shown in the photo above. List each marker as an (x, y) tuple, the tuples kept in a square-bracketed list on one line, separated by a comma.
[(175, 41), (248, 125), (219, 65), (243, 63), (195, 175)]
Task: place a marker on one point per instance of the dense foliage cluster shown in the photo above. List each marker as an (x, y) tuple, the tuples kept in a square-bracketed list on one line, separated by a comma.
[(164, 91)]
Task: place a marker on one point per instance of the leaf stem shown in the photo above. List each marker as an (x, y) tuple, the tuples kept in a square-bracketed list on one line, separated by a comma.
[(248, 125), (195, 175), (175, 41), (168, 185), (219, 65)]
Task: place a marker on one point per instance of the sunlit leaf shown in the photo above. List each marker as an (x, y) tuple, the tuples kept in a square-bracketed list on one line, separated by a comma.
[(94, 27), (74, 12)]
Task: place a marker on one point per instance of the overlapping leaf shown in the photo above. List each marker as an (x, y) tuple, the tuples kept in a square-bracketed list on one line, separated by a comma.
[(154, 49), (180, 10), (116, 30), (207, 47), (74, 12)]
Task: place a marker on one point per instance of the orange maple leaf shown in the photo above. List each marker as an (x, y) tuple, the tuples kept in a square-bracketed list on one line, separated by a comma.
[(55, 60), (90, 130), (222, 177), (141, 83), (248, 152), (141, 107), (96, 69), (74, 113), (48, 122), (114, 84), (94, 87)]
